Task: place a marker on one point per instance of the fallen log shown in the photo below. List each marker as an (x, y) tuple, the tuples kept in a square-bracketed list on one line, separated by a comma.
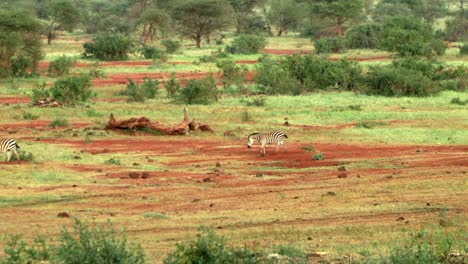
[(144, 123)]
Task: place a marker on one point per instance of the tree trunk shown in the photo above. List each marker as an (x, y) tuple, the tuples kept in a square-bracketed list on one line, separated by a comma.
[(144, 34), (280, 31), (198, 40), (133, 124), (49, 38), (339, 28), (208, 40)]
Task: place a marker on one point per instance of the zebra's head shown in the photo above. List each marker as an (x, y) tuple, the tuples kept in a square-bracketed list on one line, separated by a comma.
[(251, 139)]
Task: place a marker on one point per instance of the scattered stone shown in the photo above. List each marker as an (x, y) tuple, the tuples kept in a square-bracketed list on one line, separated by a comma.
[(99, 170), (329, 194), (228, 133), (259, 175), (401, 218), (309, 238), (218, 164), (105, 150), (63, 215), (196, 200), (375, 204), (342, 176), (197, 166), (207, 180), (217, 171), (359, 176), (342, 168), (144, 198), (149, 160), (133, 175), (136, 164), (77, 157), (219, 227), (145, 175), (75, 134), (20, 188), (389, 177), (295, 197), (74, 185), (428, 204), (211, 205), (317, 254)]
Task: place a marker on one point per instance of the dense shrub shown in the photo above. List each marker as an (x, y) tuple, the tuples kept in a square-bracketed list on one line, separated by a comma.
[(172, 86), (435, 47), (330, 45), (40, 91), (464, 49), (19, 66), (363, 36), (399, 81), (140, 92), (202, 91), (406, 35), (153, 53), (210, 248), (60, 66), (252, 24), (108, 46), (257, 101), (73, 89), (171, 46), (273, 78), (214, 56), (456, 29), (59, 122), (232, 74), (246, 44)]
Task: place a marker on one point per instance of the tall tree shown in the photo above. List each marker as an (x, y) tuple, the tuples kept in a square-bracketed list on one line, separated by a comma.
[(341, 11), (153, 20), (200, 18), (19, 36), (244, 9), (62, 14), (285, 14)]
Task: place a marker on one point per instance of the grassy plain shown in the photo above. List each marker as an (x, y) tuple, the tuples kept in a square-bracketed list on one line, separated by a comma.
[(405, 159)]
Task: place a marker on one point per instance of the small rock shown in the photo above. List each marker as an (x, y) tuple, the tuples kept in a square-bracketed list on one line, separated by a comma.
[(20, 188), (136, 164), (77, 157), (342, 176), (218, 164), (217, 171), (74, 185), (105, 150), (342, 168), (63, 215), (197, 166), (401, 218), (359, 176), (309, 238), (195, 200), (259, 175), (318, 254), (211, 205), (207, 180), (329, 194), (389, 177), (145, 175)]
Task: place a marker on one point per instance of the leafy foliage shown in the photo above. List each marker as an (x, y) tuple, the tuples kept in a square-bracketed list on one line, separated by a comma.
[(203, 91), (171, 46), (153, 53), (72, 90), (172, 86), (330, 45), (464, 49), (60, 66), (363, 36), (232, 74), (140, 92), (246, 44), (59, 122), (108, 46)]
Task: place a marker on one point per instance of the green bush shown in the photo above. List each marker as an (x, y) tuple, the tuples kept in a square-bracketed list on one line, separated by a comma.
[(464, 49), (399, 81), (140, 92), (203, 91), (71, 90), (330, 45), (318, 156), (60, 66), (458, 101), (113, 161), (363, 36), (18, 251), (29, 116), (19, 66), (435, 47), (108, 46), (257, 101), (59, 122), (406, 35), (246, 44), (40, 91), (232, 73), (172, 86), (171, 46), (153, 53), (211, 248)]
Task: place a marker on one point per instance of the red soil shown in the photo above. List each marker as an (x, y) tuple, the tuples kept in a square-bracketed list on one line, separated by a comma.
[(39, 124), (14, 100)]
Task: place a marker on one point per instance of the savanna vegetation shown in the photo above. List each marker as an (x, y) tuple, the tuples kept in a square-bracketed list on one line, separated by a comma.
[(372, 94)]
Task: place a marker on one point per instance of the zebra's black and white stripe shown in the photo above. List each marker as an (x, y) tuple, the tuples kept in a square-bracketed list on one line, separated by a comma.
[(9, 146), (267, 138)]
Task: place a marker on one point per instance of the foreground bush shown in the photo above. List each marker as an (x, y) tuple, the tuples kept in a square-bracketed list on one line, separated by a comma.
[(210, 248), (330, 45), (153, 53), (232, 74), (100, 244), (363, 36), (140, 92), (464, 49), (247, 44), (202, 91), (108, 46), (171, 46), (72, 90), (60, 66)]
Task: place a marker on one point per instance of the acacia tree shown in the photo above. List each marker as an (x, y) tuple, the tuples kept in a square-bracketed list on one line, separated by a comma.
[(62, 14), (244, 9), (200, 18), (285, 14), (153, 20), (19, 36), (341, 11)]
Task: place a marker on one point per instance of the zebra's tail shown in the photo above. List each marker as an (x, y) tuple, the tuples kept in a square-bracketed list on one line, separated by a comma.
[(17, 146), (286, 136)]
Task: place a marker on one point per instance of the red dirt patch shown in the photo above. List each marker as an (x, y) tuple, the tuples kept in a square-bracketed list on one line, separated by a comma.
[(40, 124), (14, 100)]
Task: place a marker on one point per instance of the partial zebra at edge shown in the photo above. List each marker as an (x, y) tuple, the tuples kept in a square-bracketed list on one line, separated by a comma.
[(9, 146)]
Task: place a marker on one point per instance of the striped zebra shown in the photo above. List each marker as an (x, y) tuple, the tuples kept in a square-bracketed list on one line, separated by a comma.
[(9, 146), (267, 138)]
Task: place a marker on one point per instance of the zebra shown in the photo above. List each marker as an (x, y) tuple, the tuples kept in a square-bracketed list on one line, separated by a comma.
[(9, 146), (267, 138)]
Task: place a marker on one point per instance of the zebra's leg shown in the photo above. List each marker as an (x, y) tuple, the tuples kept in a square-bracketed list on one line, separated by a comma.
[(262, 149), (8, 156), (16, 154), (284, 146), (277, 146)]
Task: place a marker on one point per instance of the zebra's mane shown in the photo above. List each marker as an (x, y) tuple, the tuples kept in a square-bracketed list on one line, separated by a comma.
[(253, 134)]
